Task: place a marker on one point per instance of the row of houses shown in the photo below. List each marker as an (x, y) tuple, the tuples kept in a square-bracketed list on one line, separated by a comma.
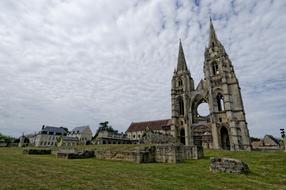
[(139, 132), (158, 131), (58, 136)]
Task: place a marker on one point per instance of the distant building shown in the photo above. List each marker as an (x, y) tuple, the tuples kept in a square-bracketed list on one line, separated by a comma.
[(32, 138), (23, 141), (267, 143), (270, 141), (111, 137), (49, 136), (137, 129), (83, 133)]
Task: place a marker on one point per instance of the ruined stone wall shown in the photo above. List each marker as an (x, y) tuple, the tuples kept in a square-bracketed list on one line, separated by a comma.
[(151, 137), (158, 153), (116, 155)]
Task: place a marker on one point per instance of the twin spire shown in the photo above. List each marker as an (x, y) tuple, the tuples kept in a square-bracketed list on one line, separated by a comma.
[(182, 65), (212, 39)]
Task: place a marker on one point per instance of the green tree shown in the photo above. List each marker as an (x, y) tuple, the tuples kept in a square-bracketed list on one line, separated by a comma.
[(5, 138), (103, 126)]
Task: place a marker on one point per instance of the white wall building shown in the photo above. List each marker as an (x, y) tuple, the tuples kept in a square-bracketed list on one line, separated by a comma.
[(83, 133), (48, 136)]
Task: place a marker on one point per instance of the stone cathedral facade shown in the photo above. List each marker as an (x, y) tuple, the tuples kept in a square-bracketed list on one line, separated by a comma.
[(225, 127)]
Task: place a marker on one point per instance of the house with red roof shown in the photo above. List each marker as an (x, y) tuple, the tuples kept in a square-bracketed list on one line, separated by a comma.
[(137, 129)]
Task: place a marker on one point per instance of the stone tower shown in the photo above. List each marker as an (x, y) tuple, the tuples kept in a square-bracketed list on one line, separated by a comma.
[(225, 126), (182, 85)]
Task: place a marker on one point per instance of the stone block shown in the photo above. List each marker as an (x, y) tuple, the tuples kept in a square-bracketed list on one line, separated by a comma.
[(228, 165), (75, 155), (37, 151)]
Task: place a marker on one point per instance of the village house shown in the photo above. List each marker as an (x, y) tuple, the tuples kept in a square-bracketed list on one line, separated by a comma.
[(137, 129), (267, 143), (49, 136), (83, 133)]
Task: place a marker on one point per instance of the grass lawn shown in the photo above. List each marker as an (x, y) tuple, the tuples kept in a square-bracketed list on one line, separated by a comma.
[(19, 171)]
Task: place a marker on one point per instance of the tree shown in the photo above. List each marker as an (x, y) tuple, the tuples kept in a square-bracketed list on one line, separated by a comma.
[(282, 131), (103, 126), (5, 138), (66, 129)]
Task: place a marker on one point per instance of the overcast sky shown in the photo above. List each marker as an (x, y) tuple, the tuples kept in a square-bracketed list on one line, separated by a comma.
[(70, 63)]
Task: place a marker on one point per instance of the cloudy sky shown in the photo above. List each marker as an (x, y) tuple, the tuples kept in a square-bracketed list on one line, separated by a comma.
[(70, 63)]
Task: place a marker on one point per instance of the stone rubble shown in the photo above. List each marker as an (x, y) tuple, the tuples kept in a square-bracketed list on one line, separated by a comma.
[(228, 165)]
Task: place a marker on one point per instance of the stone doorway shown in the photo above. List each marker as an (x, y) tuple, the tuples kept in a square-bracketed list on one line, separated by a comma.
[(182, 136), (224, 138)]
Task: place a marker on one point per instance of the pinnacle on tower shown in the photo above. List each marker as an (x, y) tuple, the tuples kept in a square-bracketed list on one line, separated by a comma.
[(213, 39), (182, 65)]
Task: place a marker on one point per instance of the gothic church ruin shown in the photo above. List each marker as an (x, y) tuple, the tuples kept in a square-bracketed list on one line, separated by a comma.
[(225, 127)]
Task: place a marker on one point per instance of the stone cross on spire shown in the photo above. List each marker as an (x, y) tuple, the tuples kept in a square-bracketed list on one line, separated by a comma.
[(182, 65)]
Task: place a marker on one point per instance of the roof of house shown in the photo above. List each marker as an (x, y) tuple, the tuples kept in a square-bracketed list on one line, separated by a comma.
[(272, 138), (54, 129), (153, 125), (80, 129)]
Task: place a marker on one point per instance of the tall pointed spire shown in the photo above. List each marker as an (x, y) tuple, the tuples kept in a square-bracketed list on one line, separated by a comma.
[(182, 65), (213, 39)]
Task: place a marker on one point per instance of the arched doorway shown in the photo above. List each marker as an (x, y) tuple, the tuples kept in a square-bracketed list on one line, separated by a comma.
[(182, 136), (224, 138)]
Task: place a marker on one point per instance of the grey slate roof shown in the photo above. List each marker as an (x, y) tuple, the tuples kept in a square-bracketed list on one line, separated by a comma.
[(80, 129), (53, 129)]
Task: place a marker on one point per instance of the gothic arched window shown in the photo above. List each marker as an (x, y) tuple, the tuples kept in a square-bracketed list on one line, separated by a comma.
[(220, 102), (180, 82), (215, 68), (181, 106)]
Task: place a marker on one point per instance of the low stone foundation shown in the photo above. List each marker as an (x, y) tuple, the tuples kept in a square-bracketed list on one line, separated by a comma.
[(75, 155), (116, 155), (228, 165), (37, 151), (158, 153)]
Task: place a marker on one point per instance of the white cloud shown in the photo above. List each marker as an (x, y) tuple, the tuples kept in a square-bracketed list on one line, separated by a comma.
[(82, 62)]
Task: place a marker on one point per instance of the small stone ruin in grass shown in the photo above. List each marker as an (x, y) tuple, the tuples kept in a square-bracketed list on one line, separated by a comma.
[(72, 154), (37, 151), (228, 165)]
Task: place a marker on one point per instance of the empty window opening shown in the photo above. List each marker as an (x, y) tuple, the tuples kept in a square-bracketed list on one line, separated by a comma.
[(220, 102), (215, 68), (181, 106), (203, 109), (180, 82), (182, 136)]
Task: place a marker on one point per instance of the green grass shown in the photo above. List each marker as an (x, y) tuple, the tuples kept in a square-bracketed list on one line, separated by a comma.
[(19, 171)]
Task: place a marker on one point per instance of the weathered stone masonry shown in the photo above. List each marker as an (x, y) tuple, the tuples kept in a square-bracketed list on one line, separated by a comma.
[(225, 127)]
